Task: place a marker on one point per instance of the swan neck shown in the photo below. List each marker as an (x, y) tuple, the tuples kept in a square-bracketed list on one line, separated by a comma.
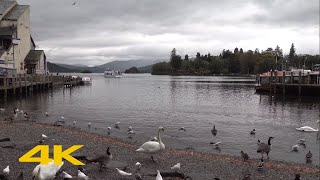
[(269, 141), (159, 138)]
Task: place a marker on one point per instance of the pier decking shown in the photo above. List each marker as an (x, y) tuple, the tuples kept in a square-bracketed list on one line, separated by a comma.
[(24, 83)]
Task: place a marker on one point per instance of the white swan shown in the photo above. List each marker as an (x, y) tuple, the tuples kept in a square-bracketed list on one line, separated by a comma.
[(44, 172), (153, 146), (308, 128), (159, 177)]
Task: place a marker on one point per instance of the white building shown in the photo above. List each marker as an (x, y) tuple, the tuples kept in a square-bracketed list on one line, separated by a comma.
[(17, 48)]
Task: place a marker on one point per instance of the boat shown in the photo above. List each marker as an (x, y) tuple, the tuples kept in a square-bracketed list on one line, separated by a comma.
[(86, 80), (108, 73)]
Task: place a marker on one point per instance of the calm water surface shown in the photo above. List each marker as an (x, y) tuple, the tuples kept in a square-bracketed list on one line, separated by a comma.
[(146, 102)]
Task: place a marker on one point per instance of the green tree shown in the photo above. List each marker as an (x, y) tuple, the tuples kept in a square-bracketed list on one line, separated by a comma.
[(186, 57), (292, 55), (175, 60)]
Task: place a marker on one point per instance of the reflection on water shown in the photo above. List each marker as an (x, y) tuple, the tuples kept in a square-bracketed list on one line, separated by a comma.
[(196, 103)]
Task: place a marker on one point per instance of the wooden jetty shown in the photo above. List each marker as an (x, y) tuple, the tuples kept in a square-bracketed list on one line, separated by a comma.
[(301, 82), (25, 83)]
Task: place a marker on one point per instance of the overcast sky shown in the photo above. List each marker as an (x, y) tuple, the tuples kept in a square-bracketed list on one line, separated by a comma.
[(93, 32)]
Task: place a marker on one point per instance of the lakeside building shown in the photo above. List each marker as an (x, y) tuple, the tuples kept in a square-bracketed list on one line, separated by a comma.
[(18, 54)]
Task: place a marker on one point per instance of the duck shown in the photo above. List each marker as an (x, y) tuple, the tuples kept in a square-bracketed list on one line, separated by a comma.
[(122, 173), (82, 175), (261, 164), (6, 170), (295, 148), (153, 147), (176, 167), (253, 132), (44, 172), (309, 155), (159, 177), (245, 156), (302, 141), (214, 131), (265, 148), (308, 128)]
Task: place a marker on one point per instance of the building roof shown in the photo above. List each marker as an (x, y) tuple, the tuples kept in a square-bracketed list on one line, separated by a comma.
[(7, 31), (33, 56), (4, 5), (15, 12)]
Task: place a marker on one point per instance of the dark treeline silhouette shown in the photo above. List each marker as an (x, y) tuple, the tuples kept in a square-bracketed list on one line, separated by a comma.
[(236, 62)]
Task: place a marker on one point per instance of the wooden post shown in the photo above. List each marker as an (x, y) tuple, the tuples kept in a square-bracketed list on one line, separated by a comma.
[(31, 87), (14, 84), (25, 84), (5, 87), (291, 79), (270, 80), (308, 78), (36, 79), (300, 79), (283, 82), (20, 85)]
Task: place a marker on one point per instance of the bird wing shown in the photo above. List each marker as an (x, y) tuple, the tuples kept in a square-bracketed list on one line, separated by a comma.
[(150, 146), (263, 147)]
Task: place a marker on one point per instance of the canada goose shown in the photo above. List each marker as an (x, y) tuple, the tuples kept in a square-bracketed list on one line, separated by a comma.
[(253, 132), (176, 167), (245, 156), (214, 131), (265, 148), (102, 160), (153, 146)]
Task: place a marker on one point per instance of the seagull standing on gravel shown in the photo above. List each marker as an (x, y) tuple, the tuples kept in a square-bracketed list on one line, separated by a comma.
[(6, 170), (138, 165), (176, 167), (66, 175), (159, 177), (81, 175), (122, 173), (44, 136)]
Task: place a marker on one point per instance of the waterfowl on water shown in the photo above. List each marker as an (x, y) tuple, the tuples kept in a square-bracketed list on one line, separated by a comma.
[(214, 131), (182, 129), (176, 167), (265, 148), (122, 173), (309, 155), (308, 128), (129, 128), (245, 156), (159, 177), (295, 148), (116, 124), (152, 147), (302, 141), (253, 132)]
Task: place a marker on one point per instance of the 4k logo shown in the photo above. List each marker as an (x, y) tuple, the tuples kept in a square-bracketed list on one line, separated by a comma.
[(58, 154)]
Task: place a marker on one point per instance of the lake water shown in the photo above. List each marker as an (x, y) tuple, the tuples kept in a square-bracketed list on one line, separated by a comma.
[(146, 102)]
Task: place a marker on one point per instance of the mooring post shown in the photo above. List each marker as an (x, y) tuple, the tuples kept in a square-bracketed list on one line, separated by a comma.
[(308, 78), (284, 82), (20, 85), (291, 79), (300, 79), (25, 84), (14, 84), (36, 79), (5, 86), (270, 80), (275, 82)]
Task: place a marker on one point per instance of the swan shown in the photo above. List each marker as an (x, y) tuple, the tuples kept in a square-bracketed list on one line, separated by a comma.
[(6, 170), (308, 128), (43, 172), (152, 147)]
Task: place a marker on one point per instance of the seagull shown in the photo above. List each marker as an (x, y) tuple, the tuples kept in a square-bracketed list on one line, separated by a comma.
[(47, 114), (129, 128), (122, 173), (116, 125), (182, 129), (62, 117), (153, 139), (245, 156), (81, 175), (176, 167), (74, 123), (295, 148), (260, 166), (89, 124), (138, 165), (253, 132), (1, 109), (302, 141), (159, 177), (44, 136), (74, 3), (309, 155), (216, 144), (66, 175), (6, 170), (109, 128)]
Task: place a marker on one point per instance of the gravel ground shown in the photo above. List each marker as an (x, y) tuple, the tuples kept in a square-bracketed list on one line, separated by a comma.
[(199, 166)]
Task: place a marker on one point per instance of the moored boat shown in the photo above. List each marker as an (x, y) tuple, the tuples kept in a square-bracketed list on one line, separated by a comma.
[(108, 73)]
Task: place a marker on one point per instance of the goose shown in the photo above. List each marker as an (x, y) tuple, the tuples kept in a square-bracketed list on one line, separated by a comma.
[(176, 167), (182, 129), (6, 170), (245, 156), (66, 175), (309, 155), (253, 132), (103, 160), (261, 163), (81, 175), (295, 148), (308, 128), (302, 141), (152, 147), (214, 131), (44, 136), (159, 177), (48, 171), (265, 148), (122, 173), (47, 114)]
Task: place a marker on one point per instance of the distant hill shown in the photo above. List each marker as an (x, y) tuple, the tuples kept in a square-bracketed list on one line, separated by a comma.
[(132, 70), (115, 65), (56, 68)]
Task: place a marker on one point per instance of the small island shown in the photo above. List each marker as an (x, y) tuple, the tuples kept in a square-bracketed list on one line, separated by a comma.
[(132, 70)]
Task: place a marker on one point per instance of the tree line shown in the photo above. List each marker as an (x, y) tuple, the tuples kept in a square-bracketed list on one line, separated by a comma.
[(236, 62)]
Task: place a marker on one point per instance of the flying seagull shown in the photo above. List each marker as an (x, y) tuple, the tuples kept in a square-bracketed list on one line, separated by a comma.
[(74, 3)]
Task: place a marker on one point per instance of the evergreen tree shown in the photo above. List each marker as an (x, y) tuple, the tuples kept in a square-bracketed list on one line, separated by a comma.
[(186, 57), (175, 60), (292, 53)]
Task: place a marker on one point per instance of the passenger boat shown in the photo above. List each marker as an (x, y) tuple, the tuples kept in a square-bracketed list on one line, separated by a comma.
[(108, 73), (86, 80)]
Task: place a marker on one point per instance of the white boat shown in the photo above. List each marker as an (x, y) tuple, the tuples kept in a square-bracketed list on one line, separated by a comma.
[(108, 73), (86, 80)]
